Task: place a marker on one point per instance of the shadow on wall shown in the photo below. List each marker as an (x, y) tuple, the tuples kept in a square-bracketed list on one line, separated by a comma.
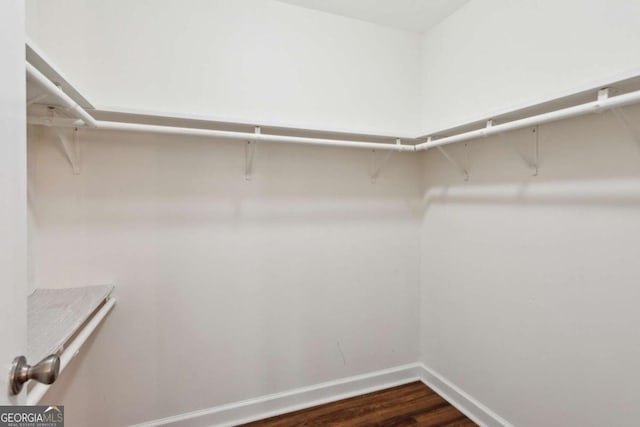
[(587, 161), (145, 179)]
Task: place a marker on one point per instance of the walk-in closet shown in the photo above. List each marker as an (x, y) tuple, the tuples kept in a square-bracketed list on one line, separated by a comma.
[(320, 212)]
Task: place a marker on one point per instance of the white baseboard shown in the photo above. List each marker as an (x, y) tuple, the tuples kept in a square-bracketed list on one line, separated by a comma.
[(280, 403), (305, 397), (465, 403)]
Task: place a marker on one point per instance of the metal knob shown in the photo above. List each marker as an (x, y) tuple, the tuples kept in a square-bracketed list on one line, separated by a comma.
[(45, 372)]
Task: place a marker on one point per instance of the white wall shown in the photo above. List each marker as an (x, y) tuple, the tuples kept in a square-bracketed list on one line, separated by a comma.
[(494, 55), (227, 289), (249, 60), (530, 284)]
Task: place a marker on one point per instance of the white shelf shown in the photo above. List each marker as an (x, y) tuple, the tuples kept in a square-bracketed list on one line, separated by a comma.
[(59, 321)]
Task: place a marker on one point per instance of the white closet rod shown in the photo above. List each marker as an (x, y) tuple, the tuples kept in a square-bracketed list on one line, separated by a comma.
[(135, 127), (245, 136), (87, 120), (590, 107)]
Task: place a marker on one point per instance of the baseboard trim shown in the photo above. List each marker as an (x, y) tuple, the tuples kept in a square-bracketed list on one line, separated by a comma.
[(305, 397), (464, 402)]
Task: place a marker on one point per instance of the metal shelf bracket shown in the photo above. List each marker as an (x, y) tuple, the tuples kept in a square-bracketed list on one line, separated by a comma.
[(71, 148), (460, 167), (624, 120), (376, 167), (536, 151), (249, 153), (603, 94), (533, 161)]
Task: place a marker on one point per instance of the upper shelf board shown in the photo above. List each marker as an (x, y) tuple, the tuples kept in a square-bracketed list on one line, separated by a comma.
[(38, 59), (618, 85)]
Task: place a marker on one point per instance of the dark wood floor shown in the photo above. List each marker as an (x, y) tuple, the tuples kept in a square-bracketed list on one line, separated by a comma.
[(407, 405)]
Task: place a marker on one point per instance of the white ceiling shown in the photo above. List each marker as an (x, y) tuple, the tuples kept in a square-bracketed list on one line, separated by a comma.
[(411, 15)]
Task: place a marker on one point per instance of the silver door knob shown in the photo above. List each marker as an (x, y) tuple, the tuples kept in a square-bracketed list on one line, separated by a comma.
[(45, 372)]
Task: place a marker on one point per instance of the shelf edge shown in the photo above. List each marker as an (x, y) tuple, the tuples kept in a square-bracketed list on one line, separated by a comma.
[(73, 349)]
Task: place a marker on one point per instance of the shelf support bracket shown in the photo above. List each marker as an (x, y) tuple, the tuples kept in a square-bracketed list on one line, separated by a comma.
[(460, 167), (536, 151), (488, 126), (71, 148), (376, 168), (624, 120), (534, 161), (249, 153), (603, 94)]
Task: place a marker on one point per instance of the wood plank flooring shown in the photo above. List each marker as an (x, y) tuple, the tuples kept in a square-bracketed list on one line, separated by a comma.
[(412, 404)]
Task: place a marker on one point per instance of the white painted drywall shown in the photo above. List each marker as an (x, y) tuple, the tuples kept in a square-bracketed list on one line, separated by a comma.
[(251, 60), (227, 289), (13, 195), (493, 55), (530, 284)]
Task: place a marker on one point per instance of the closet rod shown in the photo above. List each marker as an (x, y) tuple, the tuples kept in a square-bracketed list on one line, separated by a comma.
[(85, 120), (135, 127), (245, 136), (603, 103), (72, 106)]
